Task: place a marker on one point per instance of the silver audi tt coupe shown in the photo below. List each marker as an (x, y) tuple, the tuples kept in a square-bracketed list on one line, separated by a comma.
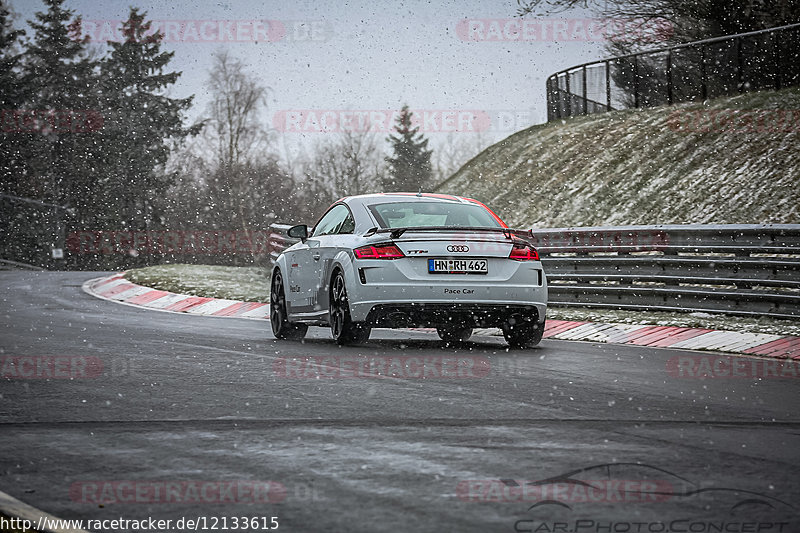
[(400, 260)]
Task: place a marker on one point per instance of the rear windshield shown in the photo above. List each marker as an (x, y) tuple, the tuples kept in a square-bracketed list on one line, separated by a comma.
[(429, 214)]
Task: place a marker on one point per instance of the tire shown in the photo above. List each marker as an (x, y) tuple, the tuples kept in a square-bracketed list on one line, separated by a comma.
[(278, 317), (521, 333), (452, 334), (343, 329)]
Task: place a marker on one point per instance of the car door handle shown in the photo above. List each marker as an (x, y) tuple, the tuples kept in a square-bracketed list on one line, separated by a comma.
[(316, 257)]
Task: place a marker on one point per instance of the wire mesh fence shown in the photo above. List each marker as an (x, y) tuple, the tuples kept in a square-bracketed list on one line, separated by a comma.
[(767, 59)]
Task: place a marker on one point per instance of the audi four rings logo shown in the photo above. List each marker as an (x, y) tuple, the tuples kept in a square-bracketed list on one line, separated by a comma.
[(458, 248)]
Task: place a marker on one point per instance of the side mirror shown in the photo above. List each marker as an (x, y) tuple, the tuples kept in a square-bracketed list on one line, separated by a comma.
[(298, 232)]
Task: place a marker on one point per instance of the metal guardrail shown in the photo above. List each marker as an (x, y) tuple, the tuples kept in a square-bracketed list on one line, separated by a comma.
[(733, 269), (722, 66), (278, 240)]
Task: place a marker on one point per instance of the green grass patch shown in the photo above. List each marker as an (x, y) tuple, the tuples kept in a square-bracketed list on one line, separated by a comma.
[(248, 284)]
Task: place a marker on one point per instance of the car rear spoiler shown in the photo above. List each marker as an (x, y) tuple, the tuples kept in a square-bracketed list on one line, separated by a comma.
[(395, 233)]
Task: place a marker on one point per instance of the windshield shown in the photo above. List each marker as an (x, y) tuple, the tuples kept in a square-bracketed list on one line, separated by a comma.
[(432, 214)]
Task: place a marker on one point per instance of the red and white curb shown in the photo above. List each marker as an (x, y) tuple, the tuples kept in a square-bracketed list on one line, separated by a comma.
[(763, 344), (119, 289)]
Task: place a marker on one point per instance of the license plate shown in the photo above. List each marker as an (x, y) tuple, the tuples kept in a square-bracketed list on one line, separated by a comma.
[(458, 266)]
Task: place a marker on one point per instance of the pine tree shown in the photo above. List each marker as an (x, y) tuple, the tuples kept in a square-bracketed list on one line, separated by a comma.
[(410, 164), (141, 125), (12, 94), (61, 78)]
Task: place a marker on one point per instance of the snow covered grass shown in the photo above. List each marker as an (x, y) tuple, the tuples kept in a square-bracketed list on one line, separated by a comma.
[(686, 320), (666, 165), (249, 284)]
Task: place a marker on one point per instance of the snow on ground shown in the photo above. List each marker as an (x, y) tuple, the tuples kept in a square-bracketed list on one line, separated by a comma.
[(640, 167), (249, 284)]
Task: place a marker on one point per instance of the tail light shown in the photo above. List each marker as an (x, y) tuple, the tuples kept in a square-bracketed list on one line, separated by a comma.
[(379, 251), (521, 251)]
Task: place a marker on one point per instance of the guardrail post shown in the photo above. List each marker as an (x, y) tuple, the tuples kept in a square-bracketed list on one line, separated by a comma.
[(568, 109)]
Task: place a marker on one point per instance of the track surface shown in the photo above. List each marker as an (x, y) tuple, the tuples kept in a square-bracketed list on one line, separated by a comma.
[(184, 398)]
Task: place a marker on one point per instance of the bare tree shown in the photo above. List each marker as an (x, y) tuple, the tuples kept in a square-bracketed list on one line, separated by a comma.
[(355, 162), (230, 176), (349, 163), (243, 162), (235, 111), (455, 150)]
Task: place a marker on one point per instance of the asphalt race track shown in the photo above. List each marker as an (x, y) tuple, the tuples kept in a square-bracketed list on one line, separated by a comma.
[(161, 404)]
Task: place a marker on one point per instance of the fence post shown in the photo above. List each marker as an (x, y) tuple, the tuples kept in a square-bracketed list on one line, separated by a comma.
[(585, 99), (638, 95), (776, 45), (739, 65), (60, 238), (703, 80), (669, 77)]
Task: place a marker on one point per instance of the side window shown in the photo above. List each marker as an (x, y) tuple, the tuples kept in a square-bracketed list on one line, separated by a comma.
[(349, 225), (337, 220)]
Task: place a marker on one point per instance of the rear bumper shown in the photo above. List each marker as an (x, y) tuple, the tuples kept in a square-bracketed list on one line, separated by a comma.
[(404, 294), (458, 314)]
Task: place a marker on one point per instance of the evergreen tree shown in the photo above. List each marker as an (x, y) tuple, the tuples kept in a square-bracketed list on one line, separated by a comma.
[(61, 79), (141, 126), (12, 94), (410, 164)]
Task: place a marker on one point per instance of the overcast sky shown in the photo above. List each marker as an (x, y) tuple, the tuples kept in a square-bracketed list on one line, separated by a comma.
[(362, 55)]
